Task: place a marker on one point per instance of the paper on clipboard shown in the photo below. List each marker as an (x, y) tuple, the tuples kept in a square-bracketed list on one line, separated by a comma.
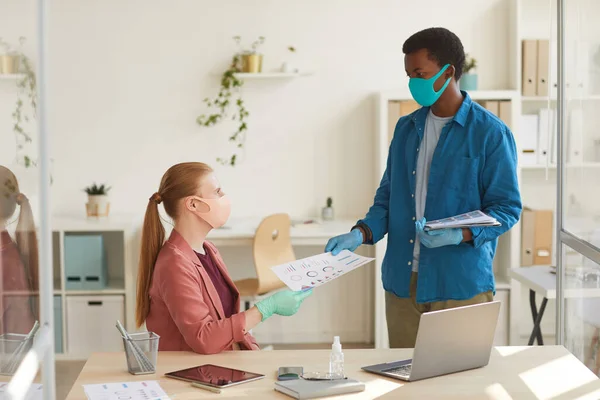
[(318, 270)]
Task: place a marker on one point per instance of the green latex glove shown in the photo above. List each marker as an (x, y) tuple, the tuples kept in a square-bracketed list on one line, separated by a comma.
[(282, 303)]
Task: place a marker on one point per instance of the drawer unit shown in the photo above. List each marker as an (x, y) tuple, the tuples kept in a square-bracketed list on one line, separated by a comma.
[(91, 323)]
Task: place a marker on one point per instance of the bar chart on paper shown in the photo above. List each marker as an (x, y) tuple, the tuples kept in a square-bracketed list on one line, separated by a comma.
[(317, 270)]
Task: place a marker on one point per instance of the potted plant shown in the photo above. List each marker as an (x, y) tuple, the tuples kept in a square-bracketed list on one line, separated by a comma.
[(230, 84), (97, 205), (468, 80), (9, 59), (327, 213), (251, 59)]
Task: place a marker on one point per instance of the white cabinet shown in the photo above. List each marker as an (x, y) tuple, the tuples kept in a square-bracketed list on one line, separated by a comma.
[(91, 324), (502, 329)]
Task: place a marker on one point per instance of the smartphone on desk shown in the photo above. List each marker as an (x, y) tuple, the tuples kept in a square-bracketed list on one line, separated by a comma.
[(289, 373)]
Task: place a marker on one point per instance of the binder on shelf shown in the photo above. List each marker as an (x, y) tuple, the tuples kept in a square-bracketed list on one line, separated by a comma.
[(543, 145), (492, 106), (553, 74), (553, 137), (529, 68), (582, 73), (575, 137), (536, 237), (505, 112), (408, 107), (527, 132), (543, 57)]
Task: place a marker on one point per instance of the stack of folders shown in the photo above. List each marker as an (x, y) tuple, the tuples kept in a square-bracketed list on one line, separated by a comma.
[(468, 220), (308, 389), (538, 137)]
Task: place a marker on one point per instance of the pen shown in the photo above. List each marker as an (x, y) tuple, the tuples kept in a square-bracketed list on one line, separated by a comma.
[(206, 387)]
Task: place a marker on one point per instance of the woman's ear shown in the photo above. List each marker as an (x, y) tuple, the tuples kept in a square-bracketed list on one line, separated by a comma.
[(189, 205), (196, 205)]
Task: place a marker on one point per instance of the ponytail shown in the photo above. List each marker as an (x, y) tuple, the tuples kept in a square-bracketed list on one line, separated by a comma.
[(153, 236), (27, 245)]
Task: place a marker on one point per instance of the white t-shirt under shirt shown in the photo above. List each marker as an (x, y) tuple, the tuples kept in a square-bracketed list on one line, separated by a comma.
[(433, 130)]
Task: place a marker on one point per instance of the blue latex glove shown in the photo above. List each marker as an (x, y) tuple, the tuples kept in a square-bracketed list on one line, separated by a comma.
[(284, 303), (438, 237), (347, 241)]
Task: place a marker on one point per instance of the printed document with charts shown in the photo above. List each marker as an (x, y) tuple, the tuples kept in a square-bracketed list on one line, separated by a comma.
[(317, 270), (141, 390), (467, 220)]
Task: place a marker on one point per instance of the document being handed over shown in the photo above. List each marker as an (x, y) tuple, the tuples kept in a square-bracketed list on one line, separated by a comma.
[(317, 270)]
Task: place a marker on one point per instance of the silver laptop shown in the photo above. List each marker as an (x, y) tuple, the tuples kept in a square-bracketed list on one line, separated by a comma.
[(448, 341)]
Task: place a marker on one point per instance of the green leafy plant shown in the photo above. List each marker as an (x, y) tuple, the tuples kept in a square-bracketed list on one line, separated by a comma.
[(97, 190), (230, 88), (470, 64), (25, 106), (329, 202), (253, 49)]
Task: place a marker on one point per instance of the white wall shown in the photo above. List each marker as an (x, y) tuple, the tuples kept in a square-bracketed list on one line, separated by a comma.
[(128, 79)]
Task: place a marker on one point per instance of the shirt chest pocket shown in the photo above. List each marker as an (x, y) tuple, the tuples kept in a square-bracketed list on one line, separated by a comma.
[(462, 177)]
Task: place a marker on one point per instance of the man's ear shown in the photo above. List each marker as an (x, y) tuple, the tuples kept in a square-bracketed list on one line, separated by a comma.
[(450, 71)]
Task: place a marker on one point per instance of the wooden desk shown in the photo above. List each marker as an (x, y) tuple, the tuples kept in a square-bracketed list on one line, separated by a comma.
[(547, 372), (241, 232)]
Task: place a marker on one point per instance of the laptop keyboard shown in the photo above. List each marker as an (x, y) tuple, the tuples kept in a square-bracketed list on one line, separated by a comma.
[(402, 371)]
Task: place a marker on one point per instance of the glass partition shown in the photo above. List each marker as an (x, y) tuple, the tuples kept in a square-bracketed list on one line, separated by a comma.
[(579, 183)]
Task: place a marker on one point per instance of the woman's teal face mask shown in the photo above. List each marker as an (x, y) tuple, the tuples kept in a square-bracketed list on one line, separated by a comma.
[(422, 90)]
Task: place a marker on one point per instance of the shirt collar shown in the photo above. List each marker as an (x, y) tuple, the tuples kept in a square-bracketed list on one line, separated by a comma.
[(460, 117), (463, 111)]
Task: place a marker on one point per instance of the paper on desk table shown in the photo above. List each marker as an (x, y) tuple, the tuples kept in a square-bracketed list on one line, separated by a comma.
[(318, 270), (35, 391), (143, 390)]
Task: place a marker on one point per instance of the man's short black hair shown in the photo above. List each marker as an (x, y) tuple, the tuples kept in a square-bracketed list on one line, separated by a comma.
[(443, 46)]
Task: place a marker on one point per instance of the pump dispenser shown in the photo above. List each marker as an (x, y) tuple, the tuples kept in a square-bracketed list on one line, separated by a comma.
[(336, 359)]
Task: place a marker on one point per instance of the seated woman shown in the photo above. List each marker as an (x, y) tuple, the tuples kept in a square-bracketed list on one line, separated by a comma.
[(18, 259), (185, 293)]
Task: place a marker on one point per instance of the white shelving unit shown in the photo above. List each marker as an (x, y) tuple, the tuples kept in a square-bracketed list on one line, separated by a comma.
[(84, 325), (585, 165), (533, 22), (11, 77)]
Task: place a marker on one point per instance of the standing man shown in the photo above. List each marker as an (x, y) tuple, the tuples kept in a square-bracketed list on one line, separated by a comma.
[(449, 157)]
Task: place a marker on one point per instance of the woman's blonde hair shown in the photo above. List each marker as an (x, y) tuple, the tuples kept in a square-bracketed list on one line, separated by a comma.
[(181, 180), (25, 233)]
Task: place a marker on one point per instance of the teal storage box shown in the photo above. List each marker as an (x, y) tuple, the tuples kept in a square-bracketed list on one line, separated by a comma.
[(58, 320), (85, 262)]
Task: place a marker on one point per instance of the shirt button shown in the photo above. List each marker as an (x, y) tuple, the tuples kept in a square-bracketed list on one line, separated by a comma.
[(414, 172), (417, 149), (411, 240), (409, 263), (412, 195), (414, 218)]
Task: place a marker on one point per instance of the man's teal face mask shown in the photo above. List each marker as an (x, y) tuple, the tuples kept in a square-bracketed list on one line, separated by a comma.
[(422, 90)]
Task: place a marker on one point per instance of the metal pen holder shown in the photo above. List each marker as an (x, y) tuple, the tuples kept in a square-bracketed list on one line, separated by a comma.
[(13, 348), (141, 350)]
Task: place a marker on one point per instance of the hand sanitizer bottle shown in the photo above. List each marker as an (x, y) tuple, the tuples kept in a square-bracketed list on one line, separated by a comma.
[(336, 359)]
